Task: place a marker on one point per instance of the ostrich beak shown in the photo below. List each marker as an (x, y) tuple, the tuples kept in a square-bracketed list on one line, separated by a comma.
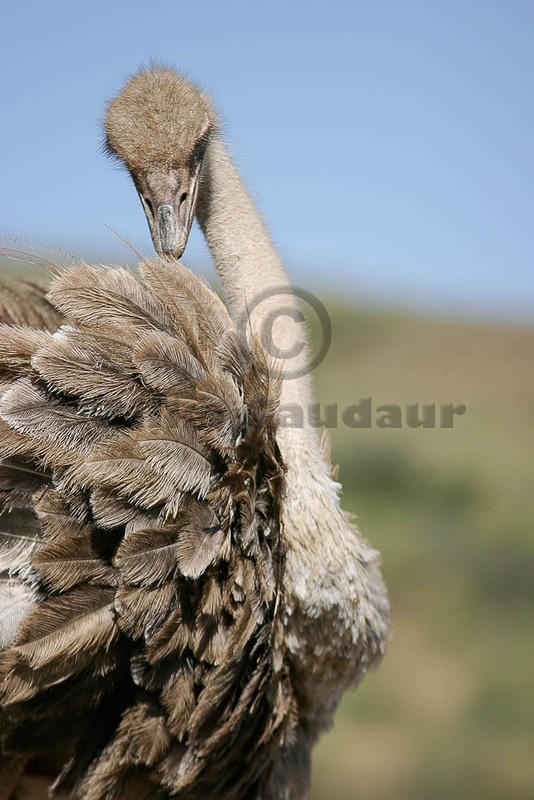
[(169, 211), (167, 231)]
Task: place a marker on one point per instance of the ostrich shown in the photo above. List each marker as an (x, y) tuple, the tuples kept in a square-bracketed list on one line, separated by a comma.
[(183, 600)]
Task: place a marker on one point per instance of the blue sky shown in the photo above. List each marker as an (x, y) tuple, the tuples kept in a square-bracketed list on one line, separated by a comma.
[(389, 145)]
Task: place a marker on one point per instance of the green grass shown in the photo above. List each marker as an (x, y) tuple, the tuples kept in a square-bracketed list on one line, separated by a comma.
[(449, 712)]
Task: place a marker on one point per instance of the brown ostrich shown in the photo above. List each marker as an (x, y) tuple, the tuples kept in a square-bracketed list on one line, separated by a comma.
[(183, 601)]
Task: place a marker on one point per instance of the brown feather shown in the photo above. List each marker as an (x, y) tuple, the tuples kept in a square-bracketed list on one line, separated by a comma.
[(172, 447), (113, 298), (78, 365), (30, 411), (79, 622), (148, 557), (141, 611), (142, 440), (188, 301), (71, 560), (178, 699)]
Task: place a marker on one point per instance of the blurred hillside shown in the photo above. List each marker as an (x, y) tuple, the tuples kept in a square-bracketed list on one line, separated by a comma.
[(449, 712)]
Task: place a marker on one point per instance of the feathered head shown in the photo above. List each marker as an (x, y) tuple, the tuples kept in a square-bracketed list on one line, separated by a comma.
[(159, 126)]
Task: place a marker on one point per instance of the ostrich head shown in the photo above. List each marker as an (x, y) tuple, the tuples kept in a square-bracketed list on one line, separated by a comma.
[(159, 127)]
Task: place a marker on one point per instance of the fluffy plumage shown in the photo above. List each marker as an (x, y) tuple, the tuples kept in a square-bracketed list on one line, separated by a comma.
[(141, 488), (140, 543)]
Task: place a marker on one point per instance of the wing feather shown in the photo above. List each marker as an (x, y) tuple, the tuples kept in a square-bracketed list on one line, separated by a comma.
[(139, 503), (80, 366)]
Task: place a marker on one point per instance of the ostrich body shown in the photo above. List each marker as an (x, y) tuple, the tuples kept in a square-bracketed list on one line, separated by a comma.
[(183, 595)]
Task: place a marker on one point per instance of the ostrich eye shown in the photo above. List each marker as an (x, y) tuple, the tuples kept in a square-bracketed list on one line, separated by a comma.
[(148, 203), (199, 150)]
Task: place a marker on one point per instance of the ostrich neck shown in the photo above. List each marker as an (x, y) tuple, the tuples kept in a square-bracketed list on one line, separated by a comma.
[(250, 269), (335, 607)]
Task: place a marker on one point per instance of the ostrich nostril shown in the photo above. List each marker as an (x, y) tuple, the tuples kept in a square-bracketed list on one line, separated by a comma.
[(183, 198)]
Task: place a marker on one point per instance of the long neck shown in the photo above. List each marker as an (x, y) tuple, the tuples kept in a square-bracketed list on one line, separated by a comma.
[(254, 281), (335, 606)]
